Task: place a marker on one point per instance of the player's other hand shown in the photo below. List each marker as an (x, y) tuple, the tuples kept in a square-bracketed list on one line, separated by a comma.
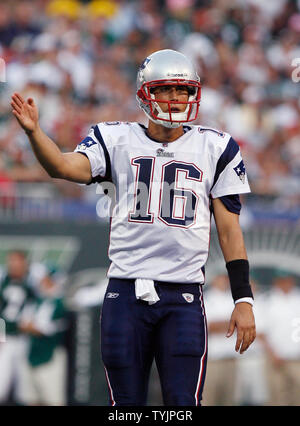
[(242, 319), (26, 112)]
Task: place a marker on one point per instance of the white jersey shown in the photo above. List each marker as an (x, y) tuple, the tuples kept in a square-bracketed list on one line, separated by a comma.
[(160, 225)]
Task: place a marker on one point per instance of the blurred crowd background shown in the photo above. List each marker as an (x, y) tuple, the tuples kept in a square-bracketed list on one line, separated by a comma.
[(79, 60)]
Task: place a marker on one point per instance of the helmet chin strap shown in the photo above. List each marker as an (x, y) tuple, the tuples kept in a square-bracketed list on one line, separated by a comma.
[(168, 124), (166, 116)]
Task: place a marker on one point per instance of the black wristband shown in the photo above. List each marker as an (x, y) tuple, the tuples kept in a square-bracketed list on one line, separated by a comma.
[(238, 272)]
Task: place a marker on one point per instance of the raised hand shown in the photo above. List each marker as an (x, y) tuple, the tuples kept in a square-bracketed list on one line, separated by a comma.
[(26, 112)]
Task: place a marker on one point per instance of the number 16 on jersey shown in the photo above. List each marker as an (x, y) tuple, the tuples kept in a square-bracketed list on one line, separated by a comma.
[(177, 206)]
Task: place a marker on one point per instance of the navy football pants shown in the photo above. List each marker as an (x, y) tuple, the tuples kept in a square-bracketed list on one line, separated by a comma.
[(173, 331)]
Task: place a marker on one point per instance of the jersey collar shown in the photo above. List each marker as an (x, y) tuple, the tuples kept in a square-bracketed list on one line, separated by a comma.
[(144, 128)]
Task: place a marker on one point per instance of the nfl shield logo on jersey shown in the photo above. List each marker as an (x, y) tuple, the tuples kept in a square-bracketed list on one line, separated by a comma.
[(188, 297)]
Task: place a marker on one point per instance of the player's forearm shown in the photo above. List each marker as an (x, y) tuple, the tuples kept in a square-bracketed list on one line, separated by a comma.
[(46, 152), (232, 243), (234, 251)]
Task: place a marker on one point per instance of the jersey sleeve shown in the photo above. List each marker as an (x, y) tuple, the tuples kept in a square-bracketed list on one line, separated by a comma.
[(94, 148), (232, 203), (230, 175)]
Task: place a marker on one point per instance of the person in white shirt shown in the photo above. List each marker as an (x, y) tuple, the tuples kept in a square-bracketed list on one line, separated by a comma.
[(251, 386), (168, 178), (221, 365), (282, 340)]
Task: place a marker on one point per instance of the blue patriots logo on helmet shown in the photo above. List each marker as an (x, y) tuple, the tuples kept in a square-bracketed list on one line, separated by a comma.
[(146, 61)]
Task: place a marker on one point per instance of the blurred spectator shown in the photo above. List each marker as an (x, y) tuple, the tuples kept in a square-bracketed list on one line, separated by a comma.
[(17, 21), (67, 8), (281, 329), (251, 387), (45, 323), (15, 293), (221, 364)]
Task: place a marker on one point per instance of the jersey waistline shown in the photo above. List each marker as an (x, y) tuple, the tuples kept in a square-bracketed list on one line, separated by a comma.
[(169, 285)]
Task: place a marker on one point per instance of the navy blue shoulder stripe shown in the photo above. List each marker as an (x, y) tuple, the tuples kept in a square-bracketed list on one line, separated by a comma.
[(107, 176), (228, 155)]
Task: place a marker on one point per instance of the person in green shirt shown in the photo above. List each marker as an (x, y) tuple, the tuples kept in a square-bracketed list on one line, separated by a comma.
[(15, 295), (47, 356)]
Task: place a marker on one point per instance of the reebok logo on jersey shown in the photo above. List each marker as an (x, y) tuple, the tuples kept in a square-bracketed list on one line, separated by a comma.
[(188, 297), (112, 295), (162, 153)]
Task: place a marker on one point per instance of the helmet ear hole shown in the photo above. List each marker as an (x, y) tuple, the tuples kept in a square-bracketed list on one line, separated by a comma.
[(191, 90)]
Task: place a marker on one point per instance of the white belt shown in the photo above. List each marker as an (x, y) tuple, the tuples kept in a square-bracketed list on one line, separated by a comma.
[(145, 290)]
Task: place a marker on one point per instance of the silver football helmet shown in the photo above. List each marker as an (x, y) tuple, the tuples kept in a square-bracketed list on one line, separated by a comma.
[(162, 68)]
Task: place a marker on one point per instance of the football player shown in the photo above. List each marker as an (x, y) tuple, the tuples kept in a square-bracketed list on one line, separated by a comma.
[(169, 177)]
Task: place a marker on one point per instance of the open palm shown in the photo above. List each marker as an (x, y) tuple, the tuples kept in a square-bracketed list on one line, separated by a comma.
[(26, 112)]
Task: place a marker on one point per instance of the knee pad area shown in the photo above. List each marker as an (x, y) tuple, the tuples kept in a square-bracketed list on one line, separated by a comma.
[(189, 338), (117, 347)]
